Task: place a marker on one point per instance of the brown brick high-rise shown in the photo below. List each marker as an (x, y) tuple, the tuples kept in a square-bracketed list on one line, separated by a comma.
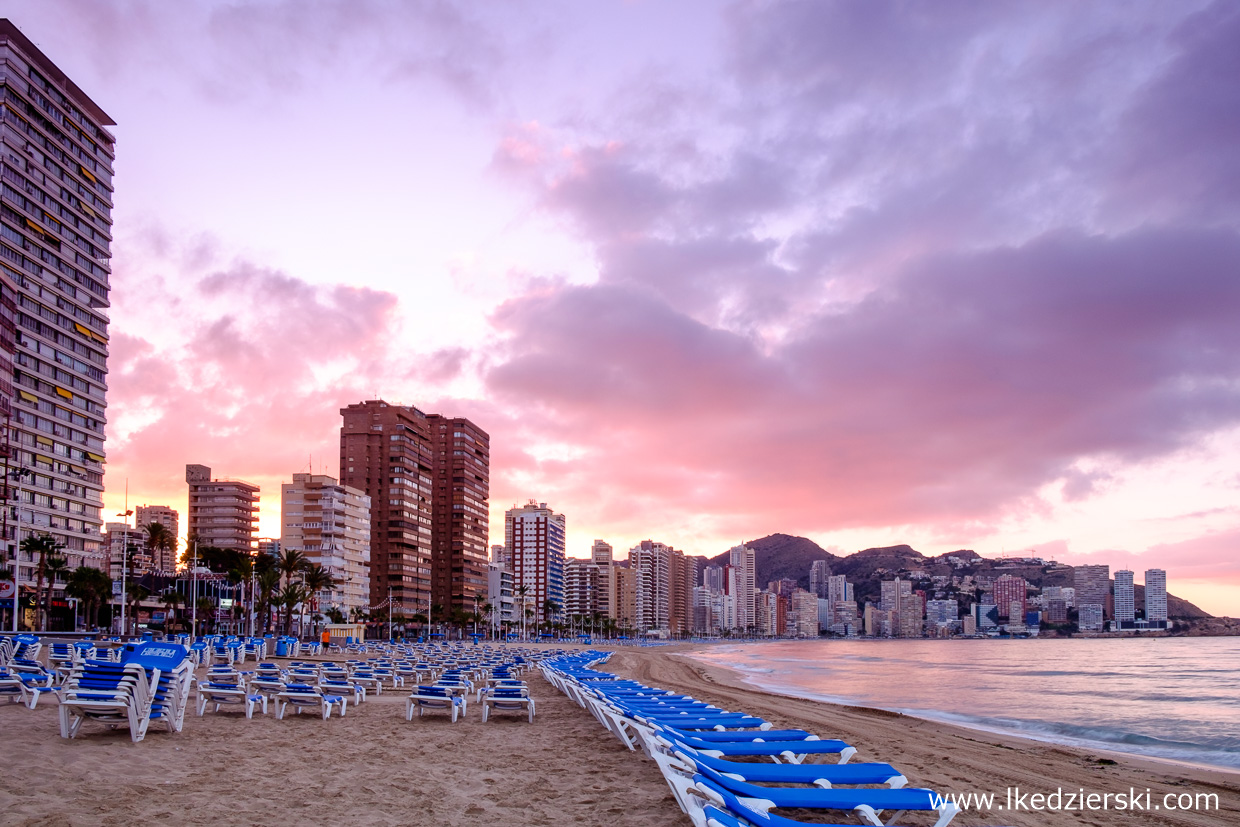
[(459, 529), (385, 451), (428, 477)]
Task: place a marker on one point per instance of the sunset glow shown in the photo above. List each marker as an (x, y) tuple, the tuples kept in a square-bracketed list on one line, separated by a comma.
[(962, 276)]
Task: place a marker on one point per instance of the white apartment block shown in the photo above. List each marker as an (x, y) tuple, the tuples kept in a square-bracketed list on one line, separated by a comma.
[(330, 524), (534, 543)]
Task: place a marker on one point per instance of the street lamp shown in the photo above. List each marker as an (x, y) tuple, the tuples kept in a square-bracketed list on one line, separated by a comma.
[(124, 568)]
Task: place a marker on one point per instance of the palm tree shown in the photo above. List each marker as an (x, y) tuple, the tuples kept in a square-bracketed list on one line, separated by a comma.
[(171, 600), (206, 610), (92, 587), (487, 611), (159, 538), (316, 580), (43, 545), (288, 598), (268, 584), (57, 567), (550, 609), (522, 591), (136, 594), (290, 562)]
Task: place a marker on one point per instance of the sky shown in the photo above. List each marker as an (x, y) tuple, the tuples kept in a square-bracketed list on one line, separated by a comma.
[(957, 275)]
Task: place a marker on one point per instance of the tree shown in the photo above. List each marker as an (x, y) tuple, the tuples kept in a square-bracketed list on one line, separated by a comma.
[(522, 591), (206, 610), (550, 609), (42, 546), (289, 597), (92, 587), (57, 568), (290, 562), (159, 538), (267, 585), (171, 600), (135, 594)]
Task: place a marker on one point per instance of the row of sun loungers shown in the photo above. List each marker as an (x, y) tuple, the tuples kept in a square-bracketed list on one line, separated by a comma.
[(721, 766), (138, 683)]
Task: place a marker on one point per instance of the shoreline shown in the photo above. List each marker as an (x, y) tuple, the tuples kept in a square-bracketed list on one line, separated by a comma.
[(951, 758), (844, 703)]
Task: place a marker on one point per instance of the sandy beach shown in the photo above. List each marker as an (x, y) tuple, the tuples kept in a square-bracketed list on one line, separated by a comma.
[(951, 759), (373, 767)]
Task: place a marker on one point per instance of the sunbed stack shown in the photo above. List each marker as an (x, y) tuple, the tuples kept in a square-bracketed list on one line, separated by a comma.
[(151, 683), (731, 769)]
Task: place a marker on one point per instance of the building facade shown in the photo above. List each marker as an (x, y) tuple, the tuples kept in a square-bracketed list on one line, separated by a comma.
[(581, 588), (740, 583), (1156, 598), (460, 508), (145, 515), (1125, 599), (222, 512), (601, 554), (330, 524), (819, 572), (534, 537), (1009, 590), (1093, 588), (55, 240), (386, 453)]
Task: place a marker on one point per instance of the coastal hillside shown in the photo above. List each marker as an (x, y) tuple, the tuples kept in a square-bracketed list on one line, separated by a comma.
[(783, 556)]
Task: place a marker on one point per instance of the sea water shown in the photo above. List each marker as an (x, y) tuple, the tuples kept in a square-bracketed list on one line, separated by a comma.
[(1168, 698)]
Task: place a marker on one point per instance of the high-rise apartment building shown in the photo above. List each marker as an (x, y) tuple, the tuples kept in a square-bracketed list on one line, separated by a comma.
[(428, 479), (805, 609), (386, 452), (460, 508), (741, 586), (712, 578), (626, 596), (500, 595), (838, 590), (665, 578), (1009, 590), (602, 555), (1156, 598), (1125, 599), (1093, 587), (581, 588), (330, 524), (55, 237), (162, 559), (534, 537), (819, 572), (116, 537), (222, 512)]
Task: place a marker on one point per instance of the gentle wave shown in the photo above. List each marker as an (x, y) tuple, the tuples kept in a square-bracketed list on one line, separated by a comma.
[(1181, 703)]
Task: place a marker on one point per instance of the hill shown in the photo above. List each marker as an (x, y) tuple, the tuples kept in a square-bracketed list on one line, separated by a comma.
[(780, 556)]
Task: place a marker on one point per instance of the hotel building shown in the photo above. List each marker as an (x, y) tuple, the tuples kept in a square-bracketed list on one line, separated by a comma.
[(1125, 600), (1156, 598), (145, 515), (1009, 590), (534, 538), (386, 452), (740, 584), (222, 513), (428, 479), (1093, 587), (460, 506), (55, 252), (330, 524)]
